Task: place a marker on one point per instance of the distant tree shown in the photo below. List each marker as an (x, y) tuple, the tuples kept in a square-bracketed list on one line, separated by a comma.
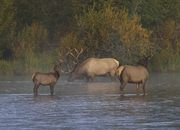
[(70, 51), (54, 15), (31, 43), (131, 5), (110, 32), (33, 39), (154, 12), (7, 28)]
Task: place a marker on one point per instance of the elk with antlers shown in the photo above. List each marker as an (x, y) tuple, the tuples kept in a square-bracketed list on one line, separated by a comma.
[(70, 58), (92, 67)]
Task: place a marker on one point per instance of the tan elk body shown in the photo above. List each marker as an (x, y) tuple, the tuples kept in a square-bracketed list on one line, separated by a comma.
[(92, 67), (132, 74), (45, 79)]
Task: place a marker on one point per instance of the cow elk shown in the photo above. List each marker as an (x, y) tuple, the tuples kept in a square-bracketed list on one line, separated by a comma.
[(46, 79), (132, 74)]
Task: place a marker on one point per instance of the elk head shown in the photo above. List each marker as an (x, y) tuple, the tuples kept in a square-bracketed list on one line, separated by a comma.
[(71, 59)]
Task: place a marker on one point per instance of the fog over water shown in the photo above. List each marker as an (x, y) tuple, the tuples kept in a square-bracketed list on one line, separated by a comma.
[(90, 106)]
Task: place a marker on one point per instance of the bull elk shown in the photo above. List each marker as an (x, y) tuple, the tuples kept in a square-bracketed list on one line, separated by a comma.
[(45, 79), (70, 58), (92, 67), (132, 74)]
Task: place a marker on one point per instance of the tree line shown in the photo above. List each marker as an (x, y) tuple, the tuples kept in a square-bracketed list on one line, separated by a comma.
[(36, 34)]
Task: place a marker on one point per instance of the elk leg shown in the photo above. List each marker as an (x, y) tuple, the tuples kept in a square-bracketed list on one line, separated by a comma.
[(87, 78), (113, 78), (52, 90), (137, 88), (36, 89), (122, 88), (112, 75), (92, 78), (144, 90)]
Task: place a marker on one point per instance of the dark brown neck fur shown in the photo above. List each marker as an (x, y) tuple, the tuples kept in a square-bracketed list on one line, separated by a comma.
[(57, 74)]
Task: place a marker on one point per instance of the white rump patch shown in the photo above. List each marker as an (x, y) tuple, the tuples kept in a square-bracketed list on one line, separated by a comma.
[(117, 62), (119, 70)]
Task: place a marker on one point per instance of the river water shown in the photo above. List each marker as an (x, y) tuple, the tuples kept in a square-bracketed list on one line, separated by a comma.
[(90, 106)]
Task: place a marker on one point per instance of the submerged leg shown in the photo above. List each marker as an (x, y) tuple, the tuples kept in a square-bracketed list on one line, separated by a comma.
[(87, 78), (144, 89), (122, 88), (52, 90), (92, 78), (36, 89), (137, 88), (111, 76)]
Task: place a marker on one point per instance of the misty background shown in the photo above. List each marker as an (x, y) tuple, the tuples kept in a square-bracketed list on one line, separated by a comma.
[(34, 35)]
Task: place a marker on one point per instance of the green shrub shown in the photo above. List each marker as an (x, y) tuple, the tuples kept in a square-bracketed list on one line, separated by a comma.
[(165, 60), (112, 32), (29, 49), (6, 67)]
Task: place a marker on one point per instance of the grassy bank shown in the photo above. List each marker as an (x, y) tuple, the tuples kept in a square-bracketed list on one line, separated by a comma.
[(45, 62), (28, 65), (165, 62)]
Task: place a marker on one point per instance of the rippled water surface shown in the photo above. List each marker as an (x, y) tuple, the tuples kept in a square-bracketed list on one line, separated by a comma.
[(90, 106)]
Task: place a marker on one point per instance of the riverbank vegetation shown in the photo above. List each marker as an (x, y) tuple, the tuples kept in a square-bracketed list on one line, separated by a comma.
[(34, 35)]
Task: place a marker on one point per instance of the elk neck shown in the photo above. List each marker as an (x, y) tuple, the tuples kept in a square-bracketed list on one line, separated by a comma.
[(57, 74)]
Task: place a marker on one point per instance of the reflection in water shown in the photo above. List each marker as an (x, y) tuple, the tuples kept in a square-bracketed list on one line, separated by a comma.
[(45, 98), (88, 106)]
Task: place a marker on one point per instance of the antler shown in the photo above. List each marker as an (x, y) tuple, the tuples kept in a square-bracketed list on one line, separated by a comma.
[(78, 52), (70, 58), (75, 53)]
